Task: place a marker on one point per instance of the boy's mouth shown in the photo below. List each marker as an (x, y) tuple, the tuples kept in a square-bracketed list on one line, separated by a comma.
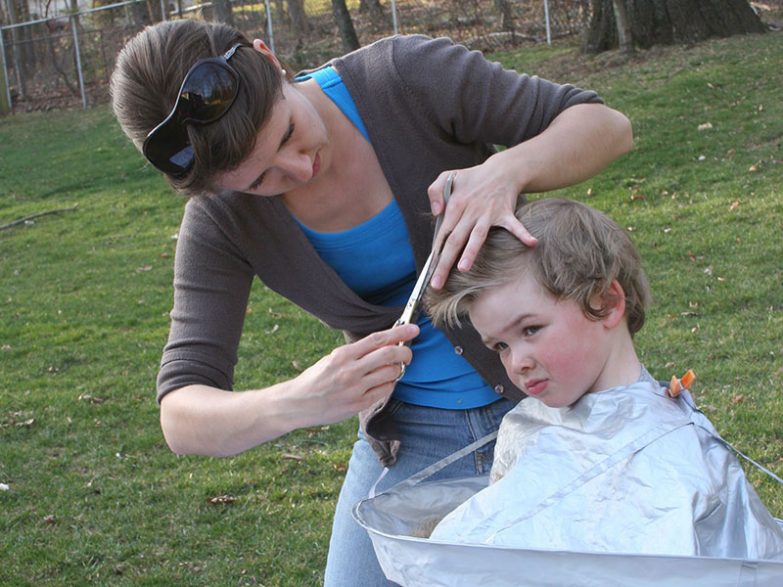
[(535, 387)]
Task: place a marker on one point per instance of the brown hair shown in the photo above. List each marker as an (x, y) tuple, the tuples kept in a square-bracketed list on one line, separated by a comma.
[(146, 81), (580, 251)]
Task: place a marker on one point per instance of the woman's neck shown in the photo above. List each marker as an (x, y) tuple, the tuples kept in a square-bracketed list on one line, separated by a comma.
[(352, 188)]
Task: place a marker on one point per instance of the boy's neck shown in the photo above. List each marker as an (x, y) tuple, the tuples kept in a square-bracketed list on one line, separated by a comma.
[(622, 366)]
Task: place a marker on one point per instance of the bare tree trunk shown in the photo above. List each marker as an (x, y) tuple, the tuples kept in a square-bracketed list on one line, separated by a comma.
[(299, 17), (19, 68), (602, 33), (345, 24), (623, 27), (506, 16), (27, 47), (373, 8), (223, 12), (138, 12), (663, 22)]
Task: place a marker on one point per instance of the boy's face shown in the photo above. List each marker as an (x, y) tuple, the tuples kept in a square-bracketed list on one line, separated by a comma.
[(549, 348)]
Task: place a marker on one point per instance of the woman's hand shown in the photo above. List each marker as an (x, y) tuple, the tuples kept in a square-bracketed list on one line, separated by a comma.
[(481, 197), (578, 143), (198, 419), (354, 376)]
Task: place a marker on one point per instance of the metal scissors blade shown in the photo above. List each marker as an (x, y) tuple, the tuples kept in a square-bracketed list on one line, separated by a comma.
[(413, 306)]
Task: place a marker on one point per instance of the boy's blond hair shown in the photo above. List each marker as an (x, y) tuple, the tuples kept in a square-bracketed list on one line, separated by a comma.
[(580, 251)]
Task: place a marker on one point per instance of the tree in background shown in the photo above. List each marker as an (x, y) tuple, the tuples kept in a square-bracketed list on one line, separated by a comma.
[(299, 22), (345, 25), (506, 16), (643, 23), (223, 11), (374, 9)]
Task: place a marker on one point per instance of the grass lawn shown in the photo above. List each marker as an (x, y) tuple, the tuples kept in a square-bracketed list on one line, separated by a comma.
[(92, 494)]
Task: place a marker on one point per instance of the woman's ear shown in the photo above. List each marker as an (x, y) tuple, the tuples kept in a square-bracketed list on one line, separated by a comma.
[(264, 49), (613, 304)]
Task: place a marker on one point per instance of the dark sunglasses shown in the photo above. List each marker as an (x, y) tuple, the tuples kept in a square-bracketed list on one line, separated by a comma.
[(206, 94)]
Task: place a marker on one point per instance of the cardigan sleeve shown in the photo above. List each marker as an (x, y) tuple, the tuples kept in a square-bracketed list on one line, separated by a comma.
[(212, 283), (475, 99)]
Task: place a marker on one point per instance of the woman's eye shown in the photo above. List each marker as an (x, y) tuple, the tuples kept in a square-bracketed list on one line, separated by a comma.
[(530, 330), (500, 347)]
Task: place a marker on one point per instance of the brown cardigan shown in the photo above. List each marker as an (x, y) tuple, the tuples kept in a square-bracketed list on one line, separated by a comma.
[(428, 105)]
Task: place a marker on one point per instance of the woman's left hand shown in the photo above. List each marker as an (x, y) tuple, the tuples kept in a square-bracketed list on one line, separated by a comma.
[(481, 197)]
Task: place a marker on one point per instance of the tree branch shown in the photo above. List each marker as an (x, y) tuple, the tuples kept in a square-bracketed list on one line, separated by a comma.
[(32, 216)]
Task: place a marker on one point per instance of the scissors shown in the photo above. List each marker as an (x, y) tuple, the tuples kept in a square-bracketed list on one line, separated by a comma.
[(413, 306)]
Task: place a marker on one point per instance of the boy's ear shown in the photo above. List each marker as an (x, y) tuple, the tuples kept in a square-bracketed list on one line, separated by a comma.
[(613, 303)]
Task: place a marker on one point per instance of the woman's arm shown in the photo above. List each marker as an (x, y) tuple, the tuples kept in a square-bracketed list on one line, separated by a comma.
[(198, 419), (579, 143)]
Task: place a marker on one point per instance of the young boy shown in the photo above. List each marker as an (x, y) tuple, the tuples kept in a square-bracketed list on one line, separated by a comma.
[(605, 460)]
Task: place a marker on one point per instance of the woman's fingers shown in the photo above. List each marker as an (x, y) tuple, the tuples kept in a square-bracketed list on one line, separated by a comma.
[(435, 192), (479, 235), (390, 338), (480, 200), (371, 361)]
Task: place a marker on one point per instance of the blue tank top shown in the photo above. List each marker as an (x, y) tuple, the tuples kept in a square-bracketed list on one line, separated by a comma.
[(375, 260)]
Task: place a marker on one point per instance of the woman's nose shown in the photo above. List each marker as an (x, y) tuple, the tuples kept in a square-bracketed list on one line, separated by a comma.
[(296, 165)]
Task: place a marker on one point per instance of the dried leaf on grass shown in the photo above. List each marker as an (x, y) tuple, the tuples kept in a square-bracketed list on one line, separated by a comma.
[(22, 419), (221, 500)]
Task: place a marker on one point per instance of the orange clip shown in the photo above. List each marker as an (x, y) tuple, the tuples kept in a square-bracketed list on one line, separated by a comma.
[(677, 385)]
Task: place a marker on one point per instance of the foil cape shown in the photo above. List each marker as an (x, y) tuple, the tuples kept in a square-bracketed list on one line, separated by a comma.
[(640, 475), (625, 470)]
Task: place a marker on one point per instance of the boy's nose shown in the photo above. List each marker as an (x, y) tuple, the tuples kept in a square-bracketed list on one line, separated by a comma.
[(521, 362)]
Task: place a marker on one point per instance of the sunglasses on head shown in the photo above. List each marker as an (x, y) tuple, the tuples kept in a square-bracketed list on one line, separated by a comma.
[(206, 94)]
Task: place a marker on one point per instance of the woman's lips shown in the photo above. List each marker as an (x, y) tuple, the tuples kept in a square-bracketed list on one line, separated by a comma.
[(316, 164), (536, 386)]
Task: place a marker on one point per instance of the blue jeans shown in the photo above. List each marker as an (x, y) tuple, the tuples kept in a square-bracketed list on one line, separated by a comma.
[(427, 435)]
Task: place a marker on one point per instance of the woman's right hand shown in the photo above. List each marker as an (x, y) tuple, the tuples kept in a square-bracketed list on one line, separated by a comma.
[(354, 376), (198, 419)]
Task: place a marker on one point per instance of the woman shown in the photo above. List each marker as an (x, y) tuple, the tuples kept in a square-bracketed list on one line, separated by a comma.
[(324, 186)]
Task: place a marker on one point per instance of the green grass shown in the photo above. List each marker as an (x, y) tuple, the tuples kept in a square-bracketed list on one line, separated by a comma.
[(96, 497)]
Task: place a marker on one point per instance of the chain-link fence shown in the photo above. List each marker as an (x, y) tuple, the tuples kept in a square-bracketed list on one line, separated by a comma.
[(65, 59)]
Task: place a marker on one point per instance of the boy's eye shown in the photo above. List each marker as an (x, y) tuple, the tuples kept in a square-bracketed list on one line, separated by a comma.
[(500, 347), (530, 330)]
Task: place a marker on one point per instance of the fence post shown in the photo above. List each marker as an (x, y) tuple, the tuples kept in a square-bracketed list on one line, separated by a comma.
[(394, 17), (269, 30), (5, 99), (77, 53), (548, 27)]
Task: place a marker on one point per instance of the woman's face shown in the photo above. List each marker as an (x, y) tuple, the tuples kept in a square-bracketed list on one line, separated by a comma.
[(292, 149)]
